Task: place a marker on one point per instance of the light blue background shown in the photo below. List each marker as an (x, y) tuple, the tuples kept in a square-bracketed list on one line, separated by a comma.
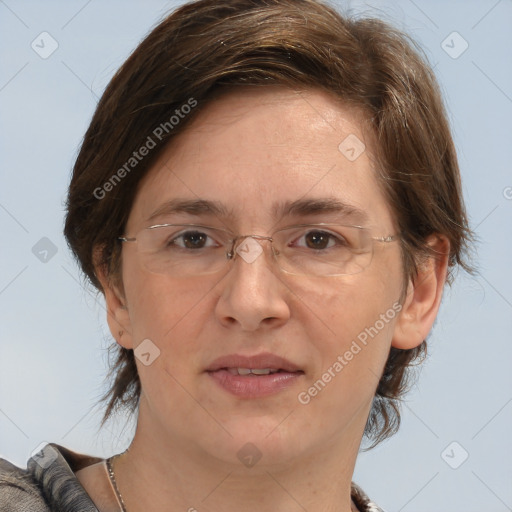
[(53, 330)]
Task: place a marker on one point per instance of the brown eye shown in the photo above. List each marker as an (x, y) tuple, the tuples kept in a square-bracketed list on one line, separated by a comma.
[(317, 239), (194, 239)]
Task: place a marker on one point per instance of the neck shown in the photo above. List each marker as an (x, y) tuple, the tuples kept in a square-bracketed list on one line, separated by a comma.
[(172, 475)]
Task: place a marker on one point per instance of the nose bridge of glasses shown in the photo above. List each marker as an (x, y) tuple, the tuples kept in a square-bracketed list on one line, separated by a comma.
[(249, 248)]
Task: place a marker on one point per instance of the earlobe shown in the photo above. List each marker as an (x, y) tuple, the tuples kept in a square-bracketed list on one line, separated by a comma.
[(118, 316), (423, 297)]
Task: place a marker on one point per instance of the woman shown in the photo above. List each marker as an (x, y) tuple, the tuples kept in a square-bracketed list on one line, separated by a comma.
[(269, 199)]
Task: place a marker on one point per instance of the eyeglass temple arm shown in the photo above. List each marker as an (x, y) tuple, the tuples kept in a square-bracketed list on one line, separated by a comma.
[(389, 238)]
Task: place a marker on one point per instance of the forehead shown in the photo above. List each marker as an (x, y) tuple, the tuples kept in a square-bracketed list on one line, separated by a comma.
[(252, 150)]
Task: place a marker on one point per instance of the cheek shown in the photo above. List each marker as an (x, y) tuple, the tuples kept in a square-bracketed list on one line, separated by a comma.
[(357, 320), (161, 308), (171, 314), (355, 304)]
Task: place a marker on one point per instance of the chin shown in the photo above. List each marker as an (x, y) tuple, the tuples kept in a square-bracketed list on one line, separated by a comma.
[(258, 442)]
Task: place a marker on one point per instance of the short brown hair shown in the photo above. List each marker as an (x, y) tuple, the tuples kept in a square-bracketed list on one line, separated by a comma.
[(205, 46)]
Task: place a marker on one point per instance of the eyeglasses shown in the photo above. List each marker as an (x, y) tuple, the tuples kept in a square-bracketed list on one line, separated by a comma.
[(303, 249)]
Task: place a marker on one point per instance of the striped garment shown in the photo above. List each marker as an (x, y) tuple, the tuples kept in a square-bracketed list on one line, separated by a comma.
[(49, 484)]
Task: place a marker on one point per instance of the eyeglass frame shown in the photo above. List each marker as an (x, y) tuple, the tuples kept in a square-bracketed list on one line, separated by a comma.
[(231, 254)]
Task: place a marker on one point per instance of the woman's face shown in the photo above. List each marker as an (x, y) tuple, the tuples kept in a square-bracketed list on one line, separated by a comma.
[(251, 152)]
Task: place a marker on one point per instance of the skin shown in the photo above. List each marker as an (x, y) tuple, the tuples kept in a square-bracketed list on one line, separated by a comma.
[(249, 149)]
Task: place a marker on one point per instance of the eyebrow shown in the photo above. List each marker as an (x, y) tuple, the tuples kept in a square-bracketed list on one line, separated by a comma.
[(298, 208), (320, 206), (192, 207)]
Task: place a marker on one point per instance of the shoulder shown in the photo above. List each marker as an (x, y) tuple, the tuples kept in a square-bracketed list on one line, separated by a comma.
[(362, 501), (19, 492), (49, 482)]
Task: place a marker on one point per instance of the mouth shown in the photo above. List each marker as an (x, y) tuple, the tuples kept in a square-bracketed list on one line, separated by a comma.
[(258, 364), (253, 371), (254, 376)]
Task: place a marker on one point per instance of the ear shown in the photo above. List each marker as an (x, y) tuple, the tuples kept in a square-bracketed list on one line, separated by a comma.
[(424, 294), (118, 315)]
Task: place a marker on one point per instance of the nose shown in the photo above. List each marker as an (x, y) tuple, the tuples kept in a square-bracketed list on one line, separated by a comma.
[(253, 295)]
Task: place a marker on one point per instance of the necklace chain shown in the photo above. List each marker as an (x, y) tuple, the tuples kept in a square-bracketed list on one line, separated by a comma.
[(114, 483)]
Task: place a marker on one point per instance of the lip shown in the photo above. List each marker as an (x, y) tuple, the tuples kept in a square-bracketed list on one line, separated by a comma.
[(254, 386), (264, 360)]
